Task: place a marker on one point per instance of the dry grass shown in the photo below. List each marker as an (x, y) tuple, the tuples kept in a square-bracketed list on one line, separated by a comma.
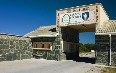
[(108, 70)]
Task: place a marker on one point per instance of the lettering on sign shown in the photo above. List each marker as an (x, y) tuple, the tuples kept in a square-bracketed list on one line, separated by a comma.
[(76, 17)]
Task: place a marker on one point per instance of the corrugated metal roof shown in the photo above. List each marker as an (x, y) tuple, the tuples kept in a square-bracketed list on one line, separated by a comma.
[(43, 31), (108, 26)]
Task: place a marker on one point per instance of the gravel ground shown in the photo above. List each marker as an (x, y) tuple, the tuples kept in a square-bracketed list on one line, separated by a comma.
[(88, 54), (47, 66)]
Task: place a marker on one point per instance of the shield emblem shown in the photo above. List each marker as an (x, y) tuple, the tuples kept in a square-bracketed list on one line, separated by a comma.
[(85, 16)]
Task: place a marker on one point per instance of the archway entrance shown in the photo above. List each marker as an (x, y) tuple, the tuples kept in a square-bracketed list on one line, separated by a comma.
[(70, 40), (74, 20)]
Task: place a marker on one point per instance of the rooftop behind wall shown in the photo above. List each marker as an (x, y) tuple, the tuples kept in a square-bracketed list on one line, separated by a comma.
[(43, 31)]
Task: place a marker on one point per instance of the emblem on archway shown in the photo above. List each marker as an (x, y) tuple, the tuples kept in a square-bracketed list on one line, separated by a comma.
[(85, 16), (66, 19)]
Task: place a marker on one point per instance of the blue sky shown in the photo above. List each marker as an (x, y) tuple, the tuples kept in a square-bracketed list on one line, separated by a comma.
[(22, 16)]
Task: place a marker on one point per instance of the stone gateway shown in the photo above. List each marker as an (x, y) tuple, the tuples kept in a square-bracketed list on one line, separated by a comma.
[(61, 41)]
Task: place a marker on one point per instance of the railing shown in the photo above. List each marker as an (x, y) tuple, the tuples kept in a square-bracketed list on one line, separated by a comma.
[(42, 49)]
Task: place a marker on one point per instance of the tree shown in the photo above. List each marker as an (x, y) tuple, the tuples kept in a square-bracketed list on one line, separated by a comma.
[(86, 47)]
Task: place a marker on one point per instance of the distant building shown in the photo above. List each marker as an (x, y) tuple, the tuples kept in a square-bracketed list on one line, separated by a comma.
[(42, 38), (43, 42)]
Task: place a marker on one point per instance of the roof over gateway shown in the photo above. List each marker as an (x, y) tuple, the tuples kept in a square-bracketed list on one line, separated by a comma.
[(43, 31)]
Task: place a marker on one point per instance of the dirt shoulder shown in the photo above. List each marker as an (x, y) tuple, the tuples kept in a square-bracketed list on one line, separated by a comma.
[(108, 70)]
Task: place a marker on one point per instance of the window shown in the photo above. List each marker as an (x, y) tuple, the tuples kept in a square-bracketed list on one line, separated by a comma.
[(39, 46), (42, 45), (48, 45), (35, 45)]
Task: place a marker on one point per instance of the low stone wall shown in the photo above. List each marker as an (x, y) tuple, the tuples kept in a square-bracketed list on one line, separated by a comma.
[(49, 55), (103, 49), (14, 47)]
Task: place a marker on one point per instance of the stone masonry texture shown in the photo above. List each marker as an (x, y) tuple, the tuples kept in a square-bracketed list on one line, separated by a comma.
[(14, 47), (103, 49)]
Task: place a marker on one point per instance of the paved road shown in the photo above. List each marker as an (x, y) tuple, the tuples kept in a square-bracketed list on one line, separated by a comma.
[(45, 66)]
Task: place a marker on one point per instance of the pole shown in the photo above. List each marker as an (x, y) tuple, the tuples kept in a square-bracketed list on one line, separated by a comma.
[(110, 49), (59, 43)]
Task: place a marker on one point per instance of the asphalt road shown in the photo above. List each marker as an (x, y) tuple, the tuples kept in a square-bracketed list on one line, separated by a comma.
[(47, 66)]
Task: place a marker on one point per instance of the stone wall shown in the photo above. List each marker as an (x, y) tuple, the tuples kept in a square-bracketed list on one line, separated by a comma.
[(14, 47), (103, 49), (114, 50)]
